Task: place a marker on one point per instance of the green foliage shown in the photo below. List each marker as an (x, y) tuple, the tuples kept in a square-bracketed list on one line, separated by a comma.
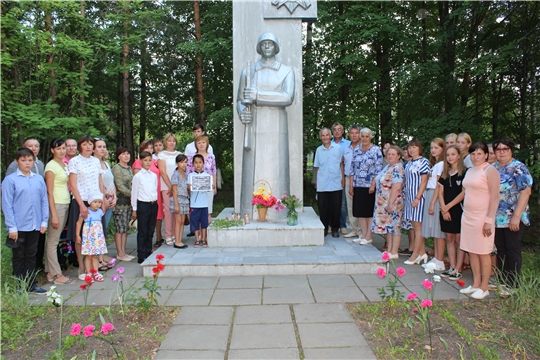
[(225, 223)]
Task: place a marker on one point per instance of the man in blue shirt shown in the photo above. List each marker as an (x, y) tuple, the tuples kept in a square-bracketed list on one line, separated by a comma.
[(329, 182), (338, 132), (26, 213)]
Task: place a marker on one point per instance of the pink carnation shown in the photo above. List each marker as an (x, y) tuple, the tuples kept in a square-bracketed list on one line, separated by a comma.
[(412, 296), (400, 271), (427, 284), (105, 328), (381, 273), (76, 329), (120, 270), (426, 303), (385, 256), (89, 330), (415, 309)]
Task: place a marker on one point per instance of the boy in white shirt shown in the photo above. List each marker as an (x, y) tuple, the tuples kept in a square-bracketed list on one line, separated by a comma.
[(199, 183), (144, 204)]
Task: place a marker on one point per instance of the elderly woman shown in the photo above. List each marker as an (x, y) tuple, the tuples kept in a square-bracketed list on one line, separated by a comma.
[(56, 178), (366, 164), (416, 179), (85, 178), (389, 201), (481, 186), (123, 176), (512, 212), (166, 165)]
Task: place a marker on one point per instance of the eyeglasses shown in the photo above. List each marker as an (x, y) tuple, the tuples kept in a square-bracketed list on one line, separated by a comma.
[(502, 150)]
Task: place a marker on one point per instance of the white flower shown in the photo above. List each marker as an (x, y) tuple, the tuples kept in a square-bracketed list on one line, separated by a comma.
[(58, 300), (436, 278), (429, 268)]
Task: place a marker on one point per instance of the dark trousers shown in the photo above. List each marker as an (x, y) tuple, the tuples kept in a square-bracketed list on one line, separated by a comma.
[(343, 216), (24, 257), (329, 203), (146, 224), (509, 259), (40, 253)]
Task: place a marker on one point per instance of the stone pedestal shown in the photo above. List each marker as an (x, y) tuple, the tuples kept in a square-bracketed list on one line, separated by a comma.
[(309, 231)]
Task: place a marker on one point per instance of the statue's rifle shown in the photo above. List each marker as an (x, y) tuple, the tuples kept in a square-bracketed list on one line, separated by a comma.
[(247, 128)]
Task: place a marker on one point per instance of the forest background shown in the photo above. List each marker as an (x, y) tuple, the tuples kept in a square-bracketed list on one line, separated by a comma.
[(131, 70)]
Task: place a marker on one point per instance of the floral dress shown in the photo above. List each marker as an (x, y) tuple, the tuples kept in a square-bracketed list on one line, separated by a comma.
[(181, 193), (93, 238), (383, 221)]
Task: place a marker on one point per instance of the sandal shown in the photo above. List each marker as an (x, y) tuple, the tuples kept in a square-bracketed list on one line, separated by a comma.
[(465, 267), (159, 243), (103, 266), (205, 243), (196, 244), (98, 277), (67, 282)]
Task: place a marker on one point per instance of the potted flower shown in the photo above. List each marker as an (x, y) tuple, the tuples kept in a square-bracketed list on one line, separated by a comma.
[(289, 202), (263, 199)]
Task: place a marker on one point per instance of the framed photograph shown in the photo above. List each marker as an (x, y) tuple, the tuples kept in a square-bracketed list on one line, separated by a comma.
[(201, 183)]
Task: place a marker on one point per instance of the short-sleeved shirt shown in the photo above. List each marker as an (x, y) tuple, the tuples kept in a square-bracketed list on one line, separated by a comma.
[(366, 165), (328, 162), (208, 167), (515, 177), (347, 159), (435, 171), (87, 171), (198, 199), (181, 184), (170, 164), (60, 189)]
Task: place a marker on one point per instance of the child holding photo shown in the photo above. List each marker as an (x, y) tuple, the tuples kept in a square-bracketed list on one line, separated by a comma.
[(199, 200)]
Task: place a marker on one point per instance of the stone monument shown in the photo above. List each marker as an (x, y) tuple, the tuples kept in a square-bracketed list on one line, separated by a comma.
[(268, 125)]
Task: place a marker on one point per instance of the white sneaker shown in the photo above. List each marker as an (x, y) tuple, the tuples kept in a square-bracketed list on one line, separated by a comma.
[(359, 240), (350, 235), (469, 290), (365, 242), (480, 294)]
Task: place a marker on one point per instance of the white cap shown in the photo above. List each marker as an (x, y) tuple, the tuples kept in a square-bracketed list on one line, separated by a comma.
[(95, 196)]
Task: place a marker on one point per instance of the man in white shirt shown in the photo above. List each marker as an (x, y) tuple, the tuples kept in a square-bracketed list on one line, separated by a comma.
[(198, 130), (144, 204)]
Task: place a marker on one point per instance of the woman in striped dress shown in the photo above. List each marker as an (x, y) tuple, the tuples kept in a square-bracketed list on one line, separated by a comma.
[(416, 178)]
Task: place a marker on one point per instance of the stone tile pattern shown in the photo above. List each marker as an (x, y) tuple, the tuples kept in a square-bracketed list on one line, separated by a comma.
[(265, 332)]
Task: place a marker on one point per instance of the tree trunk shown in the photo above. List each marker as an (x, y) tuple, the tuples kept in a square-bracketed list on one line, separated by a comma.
[(82, 111), (128, 128), (199, 65), (144, 94), (50, 57)]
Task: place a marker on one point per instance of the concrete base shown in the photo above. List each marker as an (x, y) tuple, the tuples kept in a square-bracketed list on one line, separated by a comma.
[(309, 231)]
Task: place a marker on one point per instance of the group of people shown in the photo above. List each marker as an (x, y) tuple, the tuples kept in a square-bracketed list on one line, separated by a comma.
[(471, 198), (82, 192)]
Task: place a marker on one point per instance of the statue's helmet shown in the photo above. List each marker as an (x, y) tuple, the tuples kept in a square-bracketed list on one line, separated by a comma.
[(267, 36)]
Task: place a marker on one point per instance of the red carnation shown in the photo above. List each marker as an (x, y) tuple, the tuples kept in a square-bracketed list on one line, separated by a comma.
[(461, 283), (160, 257), (83, 287)]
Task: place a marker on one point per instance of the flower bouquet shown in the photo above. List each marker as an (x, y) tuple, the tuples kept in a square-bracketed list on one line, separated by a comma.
[(263, 199), (289, 202)]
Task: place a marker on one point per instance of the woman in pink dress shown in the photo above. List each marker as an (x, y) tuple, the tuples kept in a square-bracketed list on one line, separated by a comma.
[(481, 185)]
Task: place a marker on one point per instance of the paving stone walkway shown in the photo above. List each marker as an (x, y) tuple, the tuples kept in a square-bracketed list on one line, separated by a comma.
[(260, 317)]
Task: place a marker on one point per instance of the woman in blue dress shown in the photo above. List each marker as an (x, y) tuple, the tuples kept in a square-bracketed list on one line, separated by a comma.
[(416, 178)]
